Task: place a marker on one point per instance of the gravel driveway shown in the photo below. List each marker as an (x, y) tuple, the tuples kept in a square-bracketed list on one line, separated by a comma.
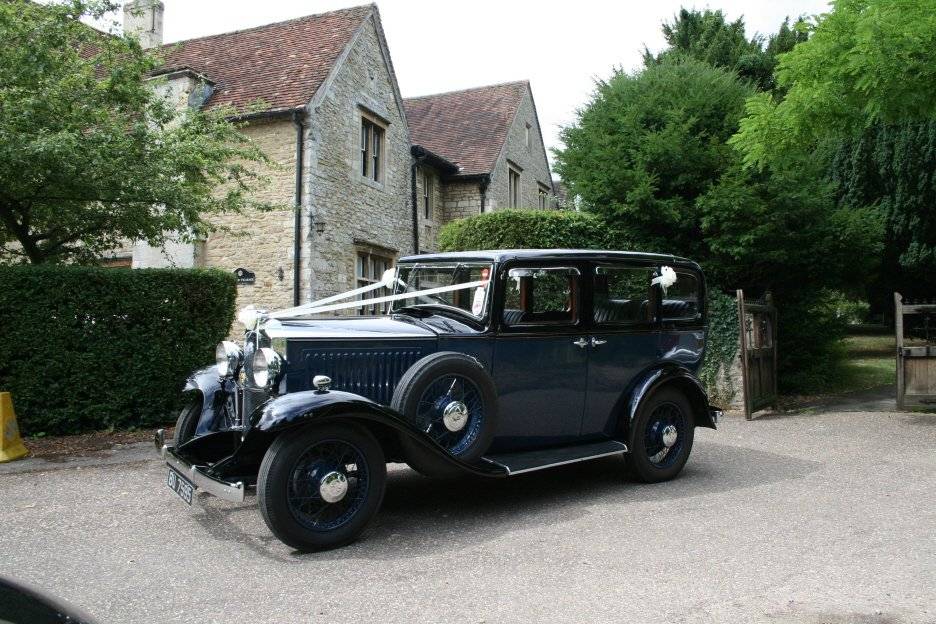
[(824, 517)]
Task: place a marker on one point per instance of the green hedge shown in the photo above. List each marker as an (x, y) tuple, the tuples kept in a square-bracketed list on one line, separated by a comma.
[(92, 348), (530, 229)]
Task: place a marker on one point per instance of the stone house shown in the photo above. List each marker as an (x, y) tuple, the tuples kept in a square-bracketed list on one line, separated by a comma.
[(363, 176)]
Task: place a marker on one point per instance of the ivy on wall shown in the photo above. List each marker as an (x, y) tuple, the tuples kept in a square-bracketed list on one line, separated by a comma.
[(721, 349)]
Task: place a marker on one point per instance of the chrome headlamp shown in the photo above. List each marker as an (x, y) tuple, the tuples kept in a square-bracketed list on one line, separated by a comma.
[(267, 365), (229, 357)]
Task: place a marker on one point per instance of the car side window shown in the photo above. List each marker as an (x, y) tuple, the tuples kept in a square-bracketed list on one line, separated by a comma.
[(682, 301), (622, 295), (541, 296)]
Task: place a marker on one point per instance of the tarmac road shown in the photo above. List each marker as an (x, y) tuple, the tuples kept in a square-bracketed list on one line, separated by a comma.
[(810, 518)]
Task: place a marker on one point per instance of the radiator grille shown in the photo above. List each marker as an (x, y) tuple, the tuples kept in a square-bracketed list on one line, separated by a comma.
[(372, 373)]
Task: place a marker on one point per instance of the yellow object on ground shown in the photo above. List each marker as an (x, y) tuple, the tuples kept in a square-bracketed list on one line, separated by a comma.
[(11, 444)]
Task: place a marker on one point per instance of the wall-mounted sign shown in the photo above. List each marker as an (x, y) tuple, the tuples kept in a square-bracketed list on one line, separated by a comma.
[(244, 276)]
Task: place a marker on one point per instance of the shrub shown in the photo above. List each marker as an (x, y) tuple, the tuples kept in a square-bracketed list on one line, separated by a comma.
[(530, 229), (93, 348)]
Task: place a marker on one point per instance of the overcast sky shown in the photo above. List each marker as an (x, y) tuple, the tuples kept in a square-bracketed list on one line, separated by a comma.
[(442, 45)]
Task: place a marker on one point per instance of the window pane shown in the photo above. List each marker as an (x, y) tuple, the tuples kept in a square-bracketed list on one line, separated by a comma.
[(622, 294), (365, 144), (423, 277), (681, 300), (378, 136), (541, 296)]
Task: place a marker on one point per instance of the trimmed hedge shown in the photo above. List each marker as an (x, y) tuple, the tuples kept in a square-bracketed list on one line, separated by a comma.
[(92, 348), (530, 229)]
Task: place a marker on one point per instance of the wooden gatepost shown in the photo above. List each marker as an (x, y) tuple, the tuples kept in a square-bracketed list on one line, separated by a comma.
[(916, 357), (758, 324)]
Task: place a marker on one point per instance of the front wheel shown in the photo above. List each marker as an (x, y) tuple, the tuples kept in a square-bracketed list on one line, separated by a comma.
[(661, 436), (320, 488)]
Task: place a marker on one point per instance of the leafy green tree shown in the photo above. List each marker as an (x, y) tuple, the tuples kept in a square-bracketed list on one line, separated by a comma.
[(90, 155), (865, 62), (707, 36)]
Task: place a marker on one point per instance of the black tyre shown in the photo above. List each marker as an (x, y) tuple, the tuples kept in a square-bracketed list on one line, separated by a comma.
[(321, 487), (453, 399), (187, 422), (661, 436)]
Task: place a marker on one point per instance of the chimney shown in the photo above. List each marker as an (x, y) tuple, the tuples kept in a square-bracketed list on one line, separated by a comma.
[(144, 20)]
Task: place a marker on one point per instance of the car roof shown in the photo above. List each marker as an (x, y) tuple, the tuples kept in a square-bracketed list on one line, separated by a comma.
[(502, 255)]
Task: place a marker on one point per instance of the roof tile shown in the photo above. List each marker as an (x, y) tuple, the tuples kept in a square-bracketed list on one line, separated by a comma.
[(466, 127), (281, 64)]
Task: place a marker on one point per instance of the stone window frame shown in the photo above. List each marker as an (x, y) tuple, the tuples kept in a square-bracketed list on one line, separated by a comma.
[(528, 137), (367, 272), (542, 195), (514, 189), (426, 197), (369, 123)]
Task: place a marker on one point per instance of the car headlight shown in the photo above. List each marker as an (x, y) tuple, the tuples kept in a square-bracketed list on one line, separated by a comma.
[(229, 357), (267, 365)]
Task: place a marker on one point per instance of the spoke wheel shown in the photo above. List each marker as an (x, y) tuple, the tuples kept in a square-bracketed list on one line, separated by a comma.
[(664, 435), (327, 485), (661, 436), (451, 412), (321, 487)]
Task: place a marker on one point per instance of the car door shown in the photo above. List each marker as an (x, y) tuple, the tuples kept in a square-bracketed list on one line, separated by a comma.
[(540, 355), (624, 338)]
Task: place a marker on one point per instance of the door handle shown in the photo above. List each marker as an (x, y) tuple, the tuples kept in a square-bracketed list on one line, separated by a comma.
[(581, 342), (597, 341)]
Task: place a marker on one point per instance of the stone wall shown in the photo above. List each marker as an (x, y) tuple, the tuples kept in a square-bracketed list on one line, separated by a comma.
[(353, 212), (261, 241), (531, 160), (460, 200)]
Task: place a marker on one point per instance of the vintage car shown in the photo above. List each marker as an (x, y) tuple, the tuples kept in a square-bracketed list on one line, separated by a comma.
[(486, 363)]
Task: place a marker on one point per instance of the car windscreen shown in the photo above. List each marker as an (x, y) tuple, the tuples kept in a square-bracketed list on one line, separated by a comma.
[(471, 300)]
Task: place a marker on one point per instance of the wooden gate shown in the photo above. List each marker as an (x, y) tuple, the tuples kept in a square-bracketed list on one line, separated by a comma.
[(916, 354), (758, 322)]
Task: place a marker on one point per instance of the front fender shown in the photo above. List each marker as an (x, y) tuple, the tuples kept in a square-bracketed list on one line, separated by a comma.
[(687, 383), (215, 393), (286, 413)]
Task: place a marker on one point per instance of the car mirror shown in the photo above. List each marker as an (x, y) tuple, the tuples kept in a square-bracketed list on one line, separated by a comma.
[(23, 604)]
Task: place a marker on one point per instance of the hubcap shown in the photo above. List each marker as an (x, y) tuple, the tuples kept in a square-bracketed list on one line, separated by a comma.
[(333, 487), (669, 436), (455, 416)]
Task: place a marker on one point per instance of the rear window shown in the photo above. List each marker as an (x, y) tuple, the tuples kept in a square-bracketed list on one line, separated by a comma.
[(682, 301), (622, 295)]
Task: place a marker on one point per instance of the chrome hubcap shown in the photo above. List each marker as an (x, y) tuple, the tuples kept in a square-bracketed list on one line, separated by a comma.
[(455, 416), (669, 436), (333, 487)]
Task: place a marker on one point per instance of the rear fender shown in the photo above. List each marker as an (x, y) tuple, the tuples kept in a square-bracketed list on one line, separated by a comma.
[(668, 376), (288, 413), (215, 393)]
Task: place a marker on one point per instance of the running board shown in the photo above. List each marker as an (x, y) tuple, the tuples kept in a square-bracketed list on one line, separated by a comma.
[(528, 461)]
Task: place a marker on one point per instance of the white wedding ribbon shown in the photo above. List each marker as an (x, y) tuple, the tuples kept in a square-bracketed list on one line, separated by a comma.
[(316, 308)]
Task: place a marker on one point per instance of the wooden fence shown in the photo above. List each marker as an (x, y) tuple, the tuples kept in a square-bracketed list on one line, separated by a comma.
[(916, 355), (758, 321)]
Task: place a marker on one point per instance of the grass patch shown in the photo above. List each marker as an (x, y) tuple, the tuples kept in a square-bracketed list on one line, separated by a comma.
[(865, 362)]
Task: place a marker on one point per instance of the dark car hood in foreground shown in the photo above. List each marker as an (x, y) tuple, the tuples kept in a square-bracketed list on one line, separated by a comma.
[(374, 328)]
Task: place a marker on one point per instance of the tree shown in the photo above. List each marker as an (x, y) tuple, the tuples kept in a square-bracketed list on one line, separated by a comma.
[(707, 36), (90, 155), (865, 62), (650, 154)]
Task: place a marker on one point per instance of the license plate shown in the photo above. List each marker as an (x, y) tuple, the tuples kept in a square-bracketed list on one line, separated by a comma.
[(180, 485)]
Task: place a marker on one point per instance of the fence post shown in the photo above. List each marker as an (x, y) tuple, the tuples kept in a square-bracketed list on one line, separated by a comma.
[(745, 388), (898, 327)]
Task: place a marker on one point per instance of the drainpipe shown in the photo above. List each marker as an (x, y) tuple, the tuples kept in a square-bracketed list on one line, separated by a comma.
[(417, 160), (297, 223), (483, 187)]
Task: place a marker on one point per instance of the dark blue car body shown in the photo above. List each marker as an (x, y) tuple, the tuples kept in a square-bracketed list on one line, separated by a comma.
[(566, 388)]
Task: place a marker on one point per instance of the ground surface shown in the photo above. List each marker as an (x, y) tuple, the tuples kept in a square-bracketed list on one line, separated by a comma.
[(824, 516)]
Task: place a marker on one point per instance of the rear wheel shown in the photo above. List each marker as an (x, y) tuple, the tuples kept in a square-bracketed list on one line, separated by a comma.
[(661, 436), (321, 488)]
